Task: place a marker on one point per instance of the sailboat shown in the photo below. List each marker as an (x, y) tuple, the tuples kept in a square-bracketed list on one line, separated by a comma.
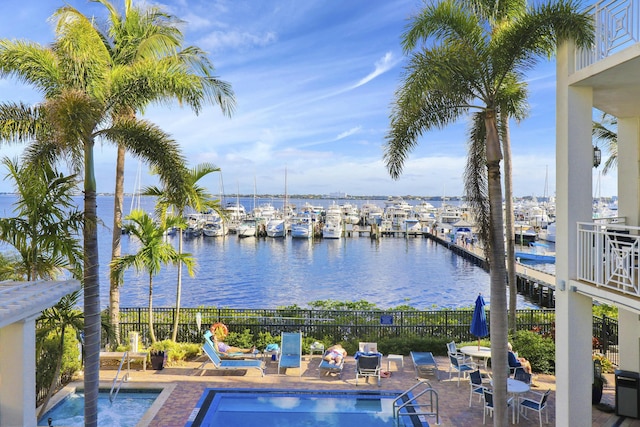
[(136, 195)]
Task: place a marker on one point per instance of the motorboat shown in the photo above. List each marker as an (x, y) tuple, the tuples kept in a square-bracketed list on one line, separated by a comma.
[(524, 233), (538, 253), (412, 227), (215, 228), (548, 233), (302, 227), (247, 228), (276, 227)]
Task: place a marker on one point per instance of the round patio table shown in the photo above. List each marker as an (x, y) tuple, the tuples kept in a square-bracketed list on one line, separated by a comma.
[(483, 353)]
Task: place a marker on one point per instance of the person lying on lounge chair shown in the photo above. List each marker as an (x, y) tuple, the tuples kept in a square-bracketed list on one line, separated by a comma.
[(217, 333), (335, 354)]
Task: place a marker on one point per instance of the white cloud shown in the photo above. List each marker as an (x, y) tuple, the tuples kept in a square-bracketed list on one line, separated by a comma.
[(350, 132), (383, 65), (219, 40)]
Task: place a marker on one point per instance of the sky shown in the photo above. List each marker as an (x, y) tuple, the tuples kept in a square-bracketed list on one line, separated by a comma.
[(314, 82)]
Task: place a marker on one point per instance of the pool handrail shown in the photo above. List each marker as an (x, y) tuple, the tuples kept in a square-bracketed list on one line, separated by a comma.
[(124, 378), (412, 402)]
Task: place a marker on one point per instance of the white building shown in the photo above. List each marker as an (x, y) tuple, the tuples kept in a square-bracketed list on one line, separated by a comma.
[(20, 305), (591, 263)]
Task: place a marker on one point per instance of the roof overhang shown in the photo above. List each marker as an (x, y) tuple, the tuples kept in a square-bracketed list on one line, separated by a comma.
[(22, 300)]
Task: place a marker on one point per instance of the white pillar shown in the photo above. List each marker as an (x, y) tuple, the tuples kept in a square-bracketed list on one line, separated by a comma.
[(629, 340), (17, 374), (628, 169), (574, 166)]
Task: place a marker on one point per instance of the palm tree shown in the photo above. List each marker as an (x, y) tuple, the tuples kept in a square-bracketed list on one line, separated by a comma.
[(47, 225), (470, 65), (154, 251), (606, 131), (83, 96), (138, 37), (58, 318), (196, 198)]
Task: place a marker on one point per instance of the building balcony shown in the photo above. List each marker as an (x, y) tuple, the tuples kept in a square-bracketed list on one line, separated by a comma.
[(608, 257)]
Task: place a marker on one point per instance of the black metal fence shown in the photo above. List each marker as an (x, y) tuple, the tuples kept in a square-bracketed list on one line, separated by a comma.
[(338, 325), (351, 325)]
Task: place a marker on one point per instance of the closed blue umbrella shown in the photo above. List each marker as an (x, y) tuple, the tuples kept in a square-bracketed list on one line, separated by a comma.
[(479, 321)]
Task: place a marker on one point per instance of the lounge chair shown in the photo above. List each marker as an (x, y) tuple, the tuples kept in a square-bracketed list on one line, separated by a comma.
[(291, 351), (229, 355), (368, 366), (424, 363), (368, 347), (220, 364), (327, 368)]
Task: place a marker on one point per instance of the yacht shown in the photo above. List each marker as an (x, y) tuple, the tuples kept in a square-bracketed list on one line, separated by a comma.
[(276, 227)]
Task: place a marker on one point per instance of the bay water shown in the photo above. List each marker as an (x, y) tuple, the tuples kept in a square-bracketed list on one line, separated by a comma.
[(268, 273)]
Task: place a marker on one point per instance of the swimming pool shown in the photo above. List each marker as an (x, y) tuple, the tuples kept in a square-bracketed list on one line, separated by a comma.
[(284, 408), (128, 409)]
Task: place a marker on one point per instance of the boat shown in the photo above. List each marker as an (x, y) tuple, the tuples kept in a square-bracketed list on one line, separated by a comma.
[(524, 233), (412, 227), (214, 227), (332, 228), (548, 233), (276, 227), (302, 227), (538, 253), (247, 228), (195, 225)]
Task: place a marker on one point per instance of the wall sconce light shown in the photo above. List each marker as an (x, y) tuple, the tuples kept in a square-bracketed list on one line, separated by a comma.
[(597, 156)]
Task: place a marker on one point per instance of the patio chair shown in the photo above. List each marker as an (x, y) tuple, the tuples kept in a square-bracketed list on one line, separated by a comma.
[(475, 385), (453, 350), (488, 405), (328, 368), (368, 366), (463, 369), (521, 375), (291, 351), (222, 365), (538, 404)]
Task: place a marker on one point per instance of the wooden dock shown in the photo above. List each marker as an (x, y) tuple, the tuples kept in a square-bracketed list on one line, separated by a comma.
[(534, 284)]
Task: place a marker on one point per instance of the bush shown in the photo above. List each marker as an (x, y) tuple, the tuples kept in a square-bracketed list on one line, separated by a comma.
[(539, 350), (48, 357), (176, 352)]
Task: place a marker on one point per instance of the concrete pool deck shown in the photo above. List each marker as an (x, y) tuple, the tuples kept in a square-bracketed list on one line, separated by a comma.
[(188, 385)]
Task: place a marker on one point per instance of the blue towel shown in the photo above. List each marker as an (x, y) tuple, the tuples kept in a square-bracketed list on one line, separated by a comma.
[(272, 347)]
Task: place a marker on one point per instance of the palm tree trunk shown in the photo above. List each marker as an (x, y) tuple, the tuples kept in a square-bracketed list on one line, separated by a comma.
[(176, 319), (91, 292), (498, 305), (116, 248), (508, 221), (56, 374), (152, 334)]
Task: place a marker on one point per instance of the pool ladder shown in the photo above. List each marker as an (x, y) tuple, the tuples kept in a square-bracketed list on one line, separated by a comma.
[(114, 390), (412, 403)]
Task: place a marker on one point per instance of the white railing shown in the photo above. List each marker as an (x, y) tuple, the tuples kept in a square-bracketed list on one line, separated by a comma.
[(616, 28), (608, 256)]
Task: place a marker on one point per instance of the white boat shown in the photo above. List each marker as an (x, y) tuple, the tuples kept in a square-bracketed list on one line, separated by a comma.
[(524, 233), (247, 228), (195, 225), (412, 227), (302, 227), (538, 253), (332, 228), (276, 227), (215, 228), (548, 233)]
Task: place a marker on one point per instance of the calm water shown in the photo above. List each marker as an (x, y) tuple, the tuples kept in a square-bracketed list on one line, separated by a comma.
[(267, 273)]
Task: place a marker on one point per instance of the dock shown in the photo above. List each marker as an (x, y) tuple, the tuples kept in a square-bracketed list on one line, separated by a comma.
[(536, 285)]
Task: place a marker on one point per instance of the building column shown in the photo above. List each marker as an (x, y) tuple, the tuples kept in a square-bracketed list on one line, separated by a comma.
[(17, 374), (628, 169), (574, 169), (629, 340)]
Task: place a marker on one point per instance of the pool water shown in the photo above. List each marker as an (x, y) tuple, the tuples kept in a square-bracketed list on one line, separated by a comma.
[(284, 408), (127, 409)]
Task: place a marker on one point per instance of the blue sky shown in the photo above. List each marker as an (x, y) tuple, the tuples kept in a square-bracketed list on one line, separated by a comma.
[(314, 81)]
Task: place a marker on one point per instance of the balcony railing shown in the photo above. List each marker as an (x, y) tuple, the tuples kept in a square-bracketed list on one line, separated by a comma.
[(616, 28), (608, 256)]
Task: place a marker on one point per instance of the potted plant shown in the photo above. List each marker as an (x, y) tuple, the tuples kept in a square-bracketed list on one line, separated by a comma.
[(599, 381)]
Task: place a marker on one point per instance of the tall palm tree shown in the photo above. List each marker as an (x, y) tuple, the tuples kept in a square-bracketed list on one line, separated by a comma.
[(466, 67), (46, 229), (154, 251), (83, 96), (606, 132), (196, 198), (139, 36)]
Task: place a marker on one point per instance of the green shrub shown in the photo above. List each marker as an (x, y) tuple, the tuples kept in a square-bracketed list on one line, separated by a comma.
[(539, 350), (176, 352), (48, 357)]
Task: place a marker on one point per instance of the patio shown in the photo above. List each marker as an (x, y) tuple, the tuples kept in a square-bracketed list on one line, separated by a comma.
[(453, 400)]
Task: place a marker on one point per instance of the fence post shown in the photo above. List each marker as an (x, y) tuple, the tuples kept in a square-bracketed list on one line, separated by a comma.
[(604, 335)]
